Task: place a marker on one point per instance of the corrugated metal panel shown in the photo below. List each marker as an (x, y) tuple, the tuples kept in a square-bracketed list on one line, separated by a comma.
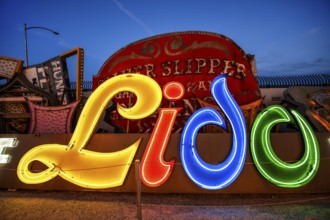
[(286, 81)]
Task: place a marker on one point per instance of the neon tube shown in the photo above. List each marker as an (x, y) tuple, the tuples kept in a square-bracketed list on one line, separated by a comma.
[(270, 166), (210, 176), (154, 170), (87, 168)]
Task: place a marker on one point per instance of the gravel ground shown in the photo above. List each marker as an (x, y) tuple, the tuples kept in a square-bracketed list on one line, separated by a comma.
[(31, 204)]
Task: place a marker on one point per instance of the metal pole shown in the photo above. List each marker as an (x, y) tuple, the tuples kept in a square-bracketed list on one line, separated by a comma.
[(129, 105), (26, 47), (25, 39), (138, 188)]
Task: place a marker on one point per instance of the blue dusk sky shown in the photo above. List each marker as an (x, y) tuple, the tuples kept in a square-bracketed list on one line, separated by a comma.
[(288, 37)]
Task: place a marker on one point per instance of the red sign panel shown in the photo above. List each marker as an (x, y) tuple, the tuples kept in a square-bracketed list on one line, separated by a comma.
[(191, 58)]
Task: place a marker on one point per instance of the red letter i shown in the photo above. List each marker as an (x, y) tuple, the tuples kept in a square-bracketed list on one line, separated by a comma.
[(154, 170)]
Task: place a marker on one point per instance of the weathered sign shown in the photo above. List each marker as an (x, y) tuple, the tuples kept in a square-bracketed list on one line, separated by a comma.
[(193, 59)]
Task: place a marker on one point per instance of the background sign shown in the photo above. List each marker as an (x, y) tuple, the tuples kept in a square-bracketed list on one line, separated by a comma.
[(191, 58), (51, 76)]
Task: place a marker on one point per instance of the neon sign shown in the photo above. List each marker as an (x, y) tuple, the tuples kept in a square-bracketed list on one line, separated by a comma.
[(97, 170), (87, 168), (5, 143), (220, 175), (269, 165), (154, 170)]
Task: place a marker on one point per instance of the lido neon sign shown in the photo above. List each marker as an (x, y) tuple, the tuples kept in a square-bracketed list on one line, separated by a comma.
[(90, 169)]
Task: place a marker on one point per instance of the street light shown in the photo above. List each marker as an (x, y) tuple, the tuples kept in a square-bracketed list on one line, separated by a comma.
[(25, 39)]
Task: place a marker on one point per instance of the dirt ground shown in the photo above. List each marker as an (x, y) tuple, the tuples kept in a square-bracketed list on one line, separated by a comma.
[(31, 204)]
